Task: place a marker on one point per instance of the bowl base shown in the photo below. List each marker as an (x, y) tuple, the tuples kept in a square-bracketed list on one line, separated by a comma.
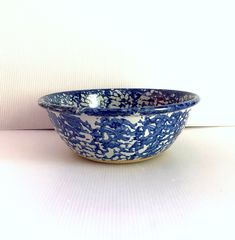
[(119, 161)]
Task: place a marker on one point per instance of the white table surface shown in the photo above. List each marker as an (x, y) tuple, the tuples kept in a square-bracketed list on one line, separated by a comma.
[(47, 192)]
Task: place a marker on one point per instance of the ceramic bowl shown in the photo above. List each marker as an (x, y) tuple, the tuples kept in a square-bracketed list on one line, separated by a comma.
[(119, 125)]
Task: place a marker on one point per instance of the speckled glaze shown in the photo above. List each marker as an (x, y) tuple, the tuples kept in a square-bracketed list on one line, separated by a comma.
[(119, 125)]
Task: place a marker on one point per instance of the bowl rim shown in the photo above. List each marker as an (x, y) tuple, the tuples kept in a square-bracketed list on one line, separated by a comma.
[(146, 110)]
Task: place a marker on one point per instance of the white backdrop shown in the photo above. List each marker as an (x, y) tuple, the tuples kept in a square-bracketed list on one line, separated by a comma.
[(48, 46)]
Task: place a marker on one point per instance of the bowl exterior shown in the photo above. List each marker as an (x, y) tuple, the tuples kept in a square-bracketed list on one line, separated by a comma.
[(119, 139)]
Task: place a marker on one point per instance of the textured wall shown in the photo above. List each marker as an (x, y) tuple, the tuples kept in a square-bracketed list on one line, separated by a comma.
[(48, 46)]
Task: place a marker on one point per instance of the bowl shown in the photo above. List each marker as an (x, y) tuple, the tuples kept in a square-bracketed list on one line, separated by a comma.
[(122, 125)]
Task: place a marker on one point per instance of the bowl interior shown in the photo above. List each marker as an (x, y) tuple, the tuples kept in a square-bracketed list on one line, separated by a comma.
[(111, 99)]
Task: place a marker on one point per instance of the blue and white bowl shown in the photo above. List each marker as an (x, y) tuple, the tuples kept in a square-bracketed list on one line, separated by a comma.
[(119, 125)]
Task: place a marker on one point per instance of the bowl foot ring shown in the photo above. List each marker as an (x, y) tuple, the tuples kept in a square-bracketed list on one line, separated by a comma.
[(119, 161)]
